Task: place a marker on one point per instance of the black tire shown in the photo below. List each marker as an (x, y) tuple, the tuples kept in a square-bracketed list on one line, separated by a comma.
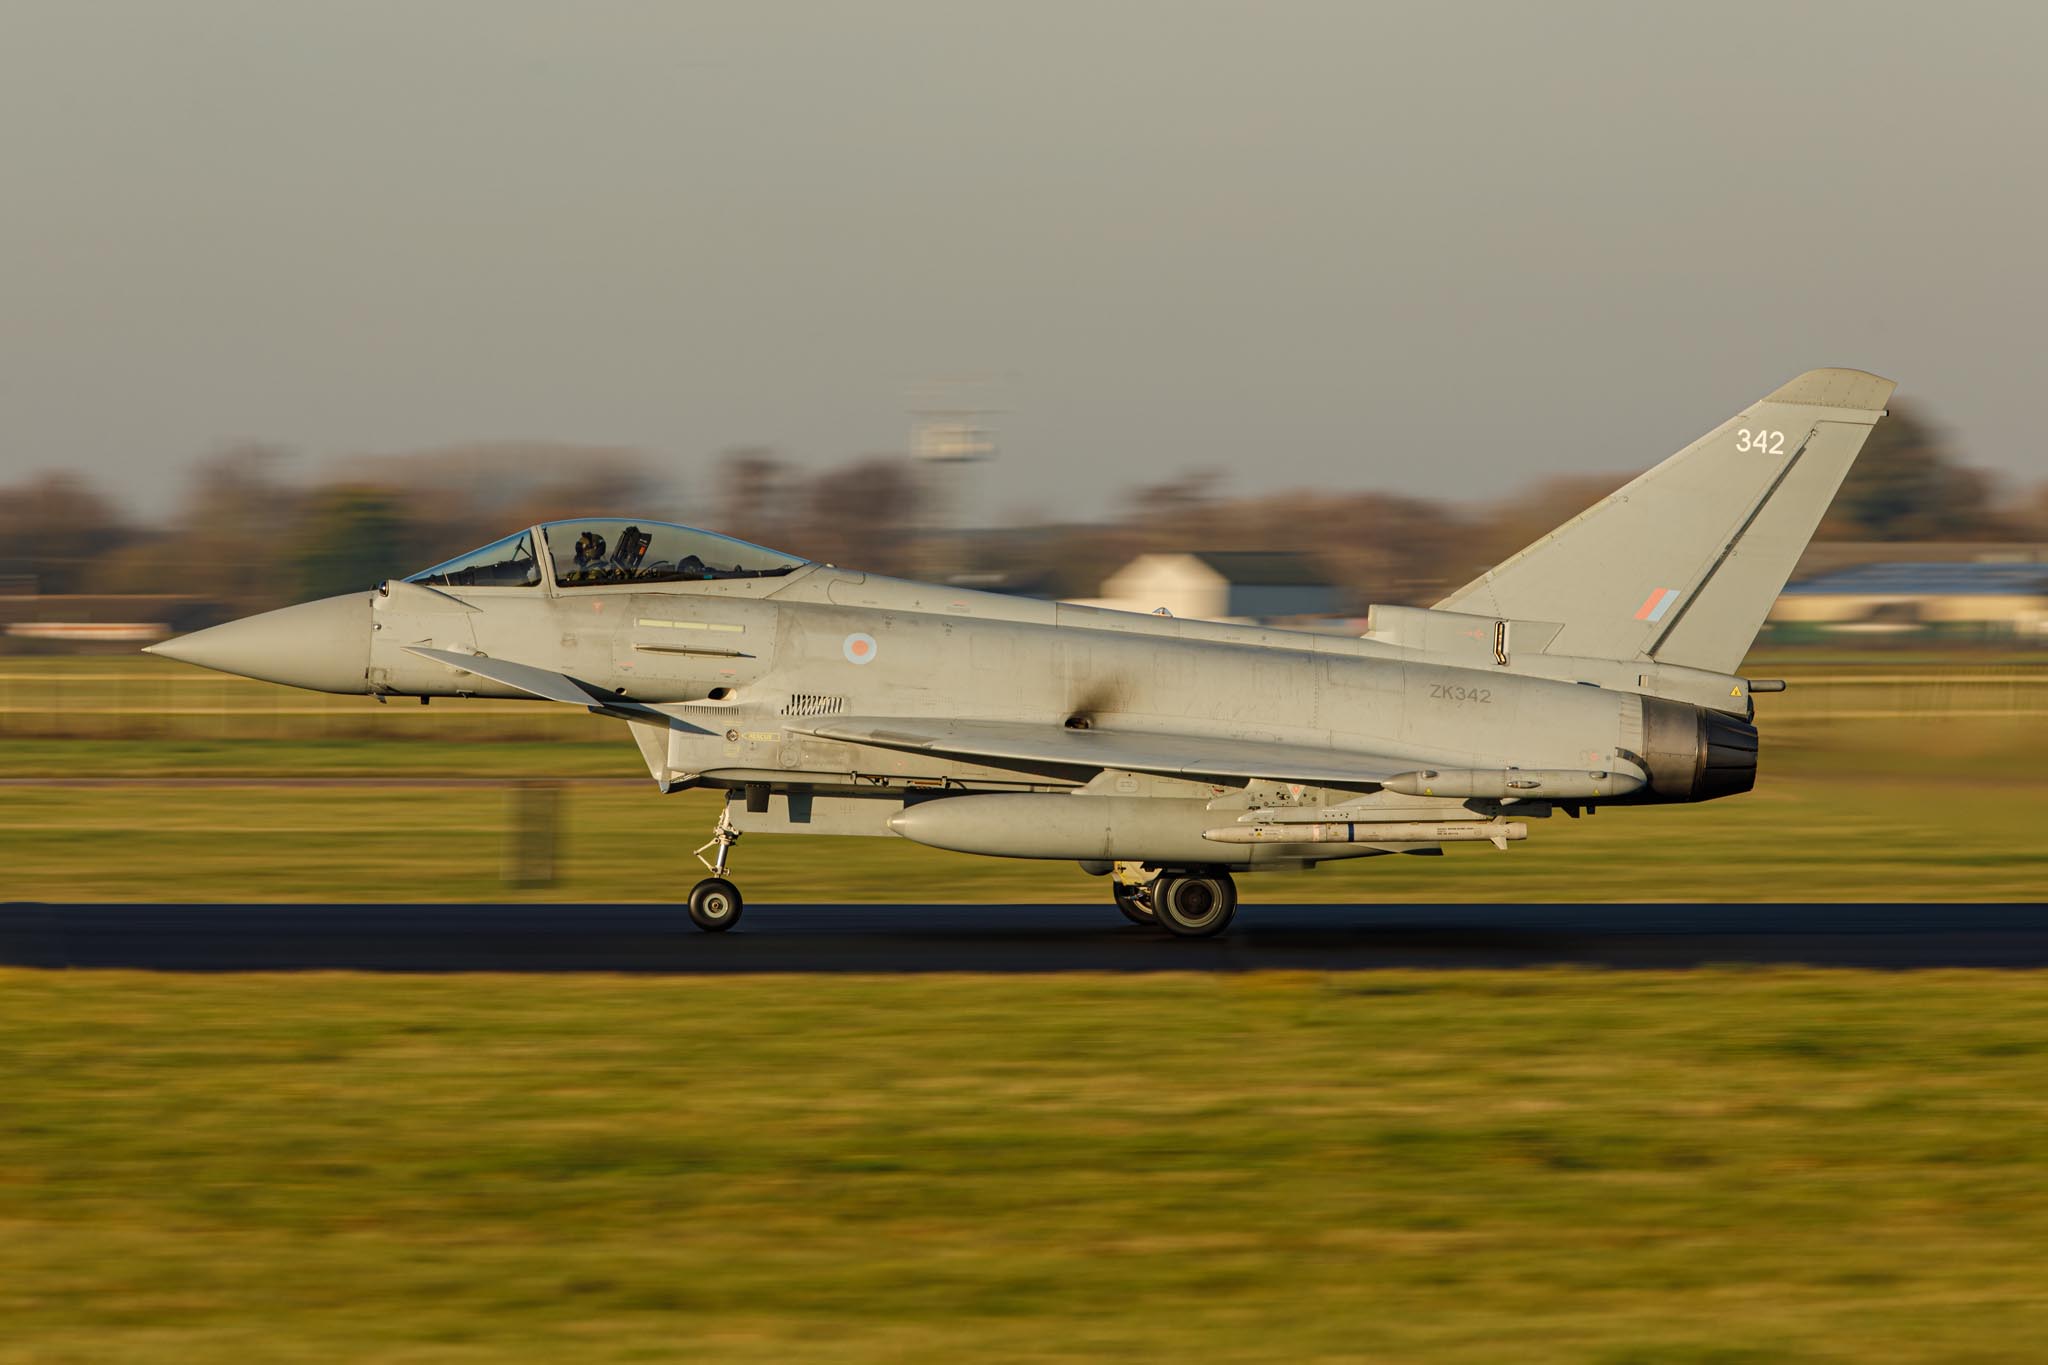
[(1135, 902), (715, 905), (1195, 904)]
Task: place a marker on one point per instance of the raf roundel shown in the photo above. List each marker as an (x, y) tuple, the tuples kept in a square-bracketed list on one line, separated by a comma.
[(859, 648)]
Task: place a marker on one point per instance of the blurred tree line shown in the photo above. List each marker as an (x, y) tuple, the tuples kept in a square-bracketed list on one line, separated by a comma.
[(247, 537)]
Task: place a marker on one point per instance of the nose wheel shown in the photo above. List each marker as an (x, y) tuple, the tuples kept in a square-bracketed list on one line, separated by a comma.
[(715, 903)]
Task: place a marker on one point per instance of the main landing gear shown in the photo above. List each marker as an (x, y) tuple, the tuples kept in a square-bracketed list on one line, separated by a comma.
[(1135, 902), (715, 903), (1194, 903)]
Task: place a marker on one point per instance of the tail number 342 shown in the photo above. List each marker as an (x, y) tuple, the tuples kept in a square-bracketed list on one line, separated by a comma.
[(1763, 442)]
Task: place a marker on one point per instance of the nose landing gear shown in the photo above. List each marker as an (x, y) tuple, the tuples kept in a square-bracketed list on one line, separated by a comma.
[(715, 903)]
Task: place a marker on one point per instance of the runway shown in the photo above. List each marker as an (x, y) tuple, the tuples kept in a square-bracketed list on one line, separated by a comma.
[(1009, 938)]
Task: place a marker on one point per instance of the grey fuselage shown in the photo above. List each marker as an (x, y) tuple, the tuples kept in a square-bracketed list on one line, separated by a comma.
[(750, 665)]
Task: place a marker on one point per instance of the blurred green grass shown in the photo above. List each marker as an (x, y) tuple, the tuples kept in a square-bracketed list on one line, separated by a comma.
[(1892, 781), (1714, 1166), (1550, 1165), (1800, 838)]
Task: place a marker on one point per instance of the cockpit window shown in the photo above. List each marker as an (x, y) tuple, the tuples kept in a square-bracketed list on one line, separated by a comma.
[(620, 551), (506, 563)]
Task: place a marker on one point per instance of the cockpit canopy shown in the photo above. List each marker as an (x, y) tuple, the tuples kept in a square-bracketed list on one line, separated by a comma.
[(506, 563), (614, 550), (594, 551)]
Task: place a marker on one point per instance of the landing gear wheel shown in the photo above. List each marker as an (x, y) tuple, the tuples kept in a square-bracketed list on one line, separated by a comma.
[(1135, 902), (715, 905), (1194, 904)]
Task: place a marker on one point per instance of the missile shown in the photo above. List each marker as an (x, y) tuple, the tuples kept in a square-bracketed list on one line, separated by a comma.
[(1525, 784), (1360, 813), (1495, 832)]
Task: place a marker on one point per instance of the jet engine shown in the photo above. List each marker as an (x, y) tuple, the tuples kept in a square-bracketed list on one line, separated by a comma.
[(1693, 754)]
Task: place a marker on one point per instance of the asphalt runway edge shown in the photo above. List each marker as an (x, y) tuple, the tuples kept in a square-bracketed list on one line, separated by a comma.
[(868, 938)]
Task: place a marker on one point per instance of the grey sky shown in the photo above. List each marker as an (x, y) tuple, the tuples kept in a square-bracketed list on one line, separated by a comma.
[(1431, 248)]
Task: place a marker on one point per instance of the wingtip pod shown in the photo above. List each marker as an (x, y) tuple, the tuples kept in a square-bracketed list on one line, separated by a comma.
[(1856, 390)]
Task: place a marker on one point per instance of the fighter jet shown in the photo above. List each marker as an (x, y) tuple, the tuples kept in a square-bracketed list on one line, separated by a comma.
[(1597, 667)]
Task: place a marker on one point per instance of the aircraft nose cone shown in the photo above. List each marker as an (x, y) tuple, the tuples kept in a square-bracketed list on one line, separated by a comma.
[(323, 645)]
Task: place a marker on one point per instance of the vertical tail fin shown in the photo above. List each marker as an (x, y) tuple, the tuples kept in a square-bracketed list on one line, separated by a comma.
[(1682, 565)]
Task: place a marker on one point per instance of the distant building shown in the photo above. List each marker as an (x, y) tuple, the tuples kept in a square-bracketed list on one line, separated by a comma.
[(1221, 585), (1998, 599)]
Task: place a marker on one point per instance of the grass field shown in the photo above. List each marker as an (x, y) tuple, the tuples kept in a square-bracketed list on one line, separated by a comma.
[(1558, 1165), (1947, 809), (1797, 840), (1714, 1166)]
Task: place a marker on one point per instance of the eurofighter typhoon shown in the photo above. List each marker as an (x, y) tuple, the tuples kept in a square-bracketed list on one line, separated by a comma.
[(1597, 667)]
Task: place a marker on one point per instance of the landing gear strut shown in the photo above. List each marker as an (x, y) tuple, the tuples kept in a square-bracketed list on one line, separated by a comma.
[(715, 903), (1135, 902)]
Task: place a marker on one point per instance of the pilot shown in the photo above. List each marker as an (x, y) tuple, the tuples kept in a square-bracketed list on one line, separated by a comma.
[(589, 551)]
